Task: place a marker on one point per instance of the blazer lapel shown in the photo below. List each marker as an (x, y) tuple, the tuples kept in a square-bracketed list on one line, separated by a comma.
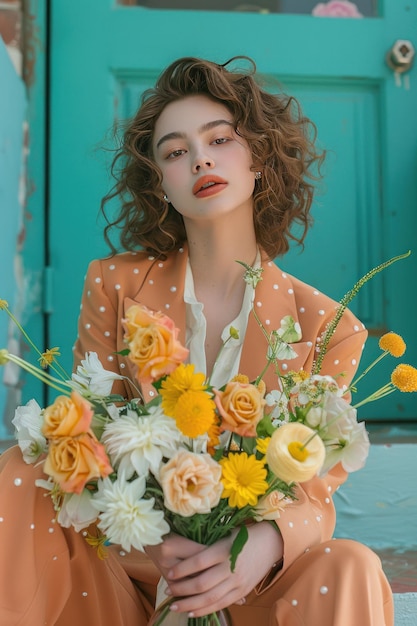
[(274, 299)]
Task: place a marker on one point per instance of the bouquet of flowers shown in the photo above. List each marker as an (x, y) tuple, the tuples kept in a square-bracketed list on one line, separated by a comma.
[(196, 460)]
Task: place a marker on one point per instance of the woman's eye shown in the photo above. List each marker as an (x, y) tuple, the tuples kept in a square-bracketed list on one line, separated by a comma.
[(220, 140), (175, 153)]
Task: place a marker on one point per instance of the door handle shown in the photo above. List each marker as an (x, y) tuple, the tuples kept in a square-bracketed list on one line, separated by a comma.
[(400, 57)]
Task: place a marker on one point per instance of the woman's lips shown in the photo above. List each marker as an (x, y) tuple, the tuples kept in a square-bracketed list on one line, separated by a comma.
[(208, 186)]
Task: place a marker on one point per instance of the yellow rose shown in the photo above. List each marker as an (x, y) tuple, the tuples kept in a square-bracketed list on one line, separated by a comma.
[(270, 506), (191, 483), (73, 461), (240, 407), (67, 417), (295, 453), (153, 344)]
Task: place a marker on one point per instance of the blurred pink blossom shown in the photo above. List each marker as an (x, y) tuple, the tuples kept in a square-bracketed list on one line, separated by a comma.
[(336, 8)]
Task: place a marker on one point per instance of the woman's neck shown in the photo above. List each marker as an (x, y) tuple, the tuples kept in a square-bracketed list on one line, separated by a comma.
[(214, 251)]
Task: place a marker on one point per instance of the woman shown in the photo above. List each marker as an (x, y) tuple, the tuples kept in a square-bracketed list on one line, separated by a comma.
[(212, 170)]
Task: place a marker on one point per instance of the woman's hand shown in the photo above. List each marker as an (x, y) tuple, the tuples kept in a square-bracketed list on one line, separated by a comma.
[(201, 576)]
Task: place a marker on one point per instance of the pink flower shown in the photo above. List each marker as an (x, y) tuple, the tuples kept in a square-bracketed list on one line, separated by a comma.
[(336, 8)]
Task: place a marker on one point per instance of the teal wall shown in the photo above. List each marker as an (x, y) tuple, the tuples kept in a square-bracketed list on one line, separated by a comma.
[(12, 193)]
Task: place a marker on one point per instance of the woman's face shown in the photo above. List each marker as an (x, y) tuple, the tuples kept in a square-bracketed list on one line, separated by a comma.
[(205, 165)]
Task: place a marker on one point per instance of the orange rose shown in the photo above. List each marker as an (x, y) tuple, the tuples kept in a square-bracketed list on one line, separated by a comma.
[(73, 461), (67, 417), (240, 406), (153, 343)]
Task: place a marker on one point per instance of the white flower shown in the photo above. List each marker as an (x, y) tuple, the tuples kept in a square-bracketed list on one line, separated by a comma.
[(91, 375), (315, 389), (290, 330), (279, 340), (279, 401), (28, 422), (125, 517), (137, 443), (315, 416), (77, 510), (345, 439)]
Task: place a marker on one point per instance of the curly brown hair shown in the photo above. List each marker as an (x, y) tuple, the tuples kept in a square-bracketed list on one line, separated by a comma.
[(281, 139)]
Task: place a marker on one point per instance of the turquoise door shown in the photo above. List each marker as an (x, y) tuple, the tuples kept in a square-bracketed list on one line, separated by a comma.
[(103, 55)]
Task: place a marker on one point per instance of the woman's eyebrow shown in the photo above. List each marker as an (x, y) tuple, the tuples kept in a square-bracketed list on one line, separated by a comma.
[(202, 129)]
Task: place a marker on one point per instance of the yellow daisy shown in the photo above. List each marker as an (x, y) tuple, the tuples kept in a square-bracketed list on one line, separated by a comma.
[(392, 343), (262, 444), (244, 479), (404, 377), (181, 380), (194, 413)]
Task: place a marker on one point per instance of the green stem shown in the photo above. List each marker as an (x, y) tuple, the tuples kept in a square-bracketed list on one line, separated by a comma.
[(41, 375), (347, 298), (367, 370)]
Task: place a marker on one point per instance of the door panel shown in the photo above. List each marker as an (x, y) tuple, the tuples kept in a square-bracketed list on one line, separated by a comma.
[(104, 55)]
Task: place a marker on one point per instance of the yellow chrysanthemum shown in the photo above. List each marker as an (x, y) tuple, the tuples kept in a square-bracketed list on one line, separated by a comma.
[(404, 377), (244, 479), (181, 380), (4, 304), (262, 445), (194, 413), (392, 343), (48, 357)]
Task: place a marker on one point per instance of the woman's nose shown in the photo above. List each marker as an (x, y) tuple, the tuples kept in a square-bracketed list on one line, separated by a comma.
[(202, 162)]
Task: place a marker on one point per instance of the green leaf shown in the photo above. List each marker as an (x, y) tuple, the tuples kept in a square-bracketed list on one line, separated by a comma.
[(237, 546), (265, 427), (124, 352)]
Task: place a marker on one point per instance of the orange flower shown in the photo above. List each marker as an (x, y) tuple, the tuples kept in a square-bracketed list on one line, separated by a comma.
[(153, 344), (392, 343), (67, 417), (270, 506), (240, 406), (73, 461), (191, 483)]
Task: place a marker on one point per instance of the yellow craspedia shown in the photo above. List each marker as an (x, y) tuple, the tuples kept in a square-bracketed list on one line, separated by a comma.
[(181, 380), (392, 343), (404, 377), (194, 413), (244, 479), (4, 304), (240, 378), (298, 451)]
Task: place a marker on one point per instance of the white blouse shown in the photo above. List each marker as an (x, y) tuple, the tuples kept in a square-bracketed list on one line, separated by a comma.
[(227, 364)]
